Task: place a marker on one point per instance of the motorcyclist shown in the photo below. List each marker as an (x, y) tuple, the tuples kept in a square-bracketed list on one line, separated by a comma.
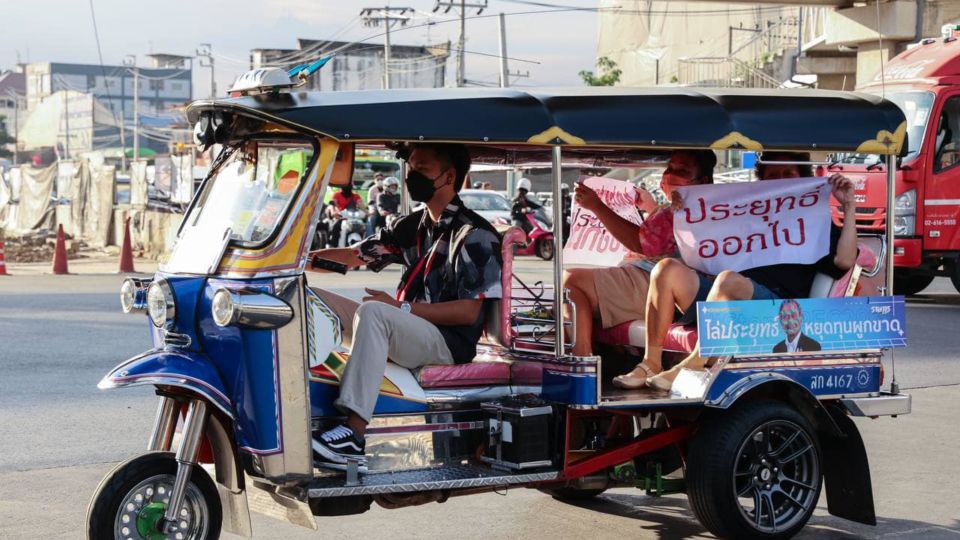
[(388, 203), (373, 219), (523, 205), (342, 200)]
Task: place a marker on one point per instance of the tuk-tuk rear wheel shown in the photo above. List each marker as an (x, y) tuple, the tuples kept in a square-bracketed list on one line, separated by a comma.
[(754, 471), (130, 502)]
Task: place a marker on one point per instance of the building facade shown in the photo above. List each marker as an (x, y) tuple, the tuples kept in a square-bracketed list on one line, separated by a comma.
[(360, 66), (159, 89)]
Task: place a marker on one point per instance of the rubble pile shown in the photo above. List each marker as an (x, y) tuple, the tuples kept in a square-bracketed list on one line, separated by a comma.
[(37, 247)]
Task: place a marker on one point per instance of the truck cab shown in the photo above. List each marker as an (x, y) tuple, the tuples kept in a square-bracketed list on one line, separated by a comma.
[(924, 81)]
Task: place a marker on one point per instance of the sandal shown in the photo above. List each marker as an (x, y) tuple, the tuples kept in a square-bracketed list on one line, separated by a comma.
[(631, 382), (660, 382)]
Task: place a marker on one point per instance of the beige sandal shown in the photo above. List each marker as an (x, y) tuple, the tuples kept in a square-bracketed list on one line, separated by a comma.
[(631, 382), (660, 382)]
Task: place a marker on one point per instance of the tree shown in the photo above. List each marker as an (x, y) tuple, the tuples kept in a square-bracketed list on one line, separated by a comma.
[(609, 70), (5, 139)]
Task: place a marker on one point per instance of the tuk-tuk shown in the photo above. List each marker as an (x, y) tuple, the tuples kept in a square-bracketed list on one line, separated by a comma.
[(247, 358)]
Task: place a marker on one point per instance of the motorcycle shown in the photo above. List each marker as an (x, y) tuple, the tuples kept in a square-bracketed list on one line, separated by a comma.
[(353, 226), (539, 239)]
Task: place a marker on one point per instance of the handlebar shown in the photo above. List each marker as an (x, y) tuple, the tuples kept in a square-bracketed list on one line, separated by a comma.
[(319, 263)]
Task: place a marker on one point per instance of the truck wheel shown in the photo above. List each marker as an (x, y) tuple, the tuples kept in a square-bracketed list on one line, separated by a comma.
[(131, 500), (955, 275), (754, 471), (909, 283), (572, 494)]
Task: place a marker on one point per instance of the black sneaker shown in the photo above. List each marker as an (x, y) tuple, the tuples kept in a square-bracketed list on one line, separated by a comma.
[(338, 446)]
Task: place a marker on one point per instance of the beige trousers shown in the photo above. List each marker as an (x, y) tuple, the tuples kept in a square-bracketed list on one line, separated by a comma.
[(380, 331)]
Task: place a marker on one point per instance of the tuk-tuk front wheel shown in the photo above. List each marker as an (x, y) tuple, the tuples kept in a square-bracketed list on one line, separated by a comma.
[(754, 471), (131, 500)]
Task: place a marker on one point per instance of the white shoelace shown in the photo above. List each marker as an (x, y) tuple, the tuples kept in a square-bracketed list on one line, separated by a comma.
[(338, 432)]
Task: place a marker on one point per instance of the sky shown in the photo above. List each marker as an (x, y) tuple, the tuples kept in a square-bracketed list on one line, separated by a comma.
[(557, 45)]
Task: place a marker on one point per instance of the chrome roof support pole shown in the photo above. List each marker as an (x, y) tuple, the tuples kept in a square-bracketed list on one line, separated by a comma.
[(558, 292), (891, 197)]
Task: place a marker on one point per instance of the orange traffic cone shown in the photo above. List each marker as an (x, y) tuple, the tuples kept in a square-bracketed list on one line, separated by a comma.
[(60, 253), (126, 253), (3, 259)]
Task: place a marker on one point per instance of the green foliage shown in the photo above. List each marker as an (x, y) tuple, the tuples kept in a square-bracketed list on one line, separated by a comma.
[(609, 73), (5, 139)]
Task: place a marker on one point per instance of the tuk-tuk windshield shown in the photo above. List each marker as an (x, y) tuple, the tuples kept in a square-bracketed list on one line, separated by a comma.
[(251, 190)]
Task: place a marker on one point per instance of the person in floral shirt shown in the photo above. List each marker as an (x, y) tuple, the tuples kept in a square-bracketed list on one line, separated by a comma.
[(619, 294)]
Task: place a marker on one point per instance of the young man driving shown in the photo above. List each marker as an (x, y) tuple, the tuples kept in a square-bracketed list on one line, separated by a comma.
[(452, 260)]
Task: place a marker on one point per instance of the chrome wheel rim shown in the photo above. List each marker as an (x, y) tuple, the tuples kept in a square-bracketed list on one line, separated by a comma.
[(143, 501), (776, 476)]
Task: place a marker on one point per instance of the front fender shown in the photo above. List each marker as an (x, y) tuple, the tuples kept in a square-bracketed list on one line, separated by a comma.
[(189, 370)]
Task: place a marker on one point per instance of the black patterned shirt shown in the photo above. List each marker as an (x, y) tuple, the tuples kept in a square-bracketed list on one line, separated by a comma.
[(432, 274)]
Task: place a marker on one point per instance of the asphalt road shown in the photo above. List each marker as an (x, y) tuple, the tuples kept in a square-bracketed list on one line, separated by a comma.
[(59, 434)]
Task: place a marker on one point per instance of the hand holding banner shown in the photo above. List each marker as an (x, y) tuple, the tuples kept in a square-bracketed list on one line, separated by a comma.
[(741, 226), (590, 242)]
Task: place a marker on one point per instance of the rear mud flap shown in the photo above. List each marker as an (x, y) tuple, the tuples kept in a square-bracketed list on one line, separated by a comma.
[(846, 472)]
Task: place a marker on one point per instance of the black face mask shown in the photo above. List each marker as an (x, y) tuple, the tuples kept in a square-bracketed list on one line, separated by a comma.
[(421, 186)]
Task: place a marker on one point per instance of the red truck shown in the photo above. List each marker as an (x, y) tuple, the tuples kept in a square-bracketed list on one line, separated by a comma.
[(924, 81)]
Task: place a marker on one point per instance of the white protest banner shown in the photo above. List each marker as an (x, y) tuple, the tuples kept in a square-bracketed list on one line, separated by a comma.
[(589, 241), (741, 226)]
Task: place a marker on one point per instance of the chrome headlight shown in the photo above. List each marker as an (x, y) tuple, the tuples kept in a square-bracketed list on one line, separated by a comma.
[(249, 308), (223, 307), (133, 295), (161, 305)]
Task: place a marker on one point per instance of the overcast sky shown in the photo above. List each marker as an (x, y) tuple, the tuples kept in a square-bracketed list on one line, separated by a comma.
[(62, 31)]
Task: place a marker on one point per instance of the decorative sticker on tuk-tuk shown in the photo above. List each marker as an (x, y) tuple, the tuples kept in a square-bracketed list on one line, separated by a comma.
[(739, 226), (590, 242), (752, 327), (324, 332)]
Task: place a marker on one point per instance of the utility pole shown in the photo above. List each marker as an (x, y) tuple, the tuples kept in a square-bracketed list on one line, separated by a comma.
[(129, 61), (205, 52), (462, 41), (136, 111), (504, 82), (66, 119), (386, 15)]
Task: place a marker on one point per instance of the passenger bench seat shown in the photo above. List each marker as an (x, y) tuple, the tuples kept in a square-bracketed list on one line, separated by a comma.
[(683, 338)]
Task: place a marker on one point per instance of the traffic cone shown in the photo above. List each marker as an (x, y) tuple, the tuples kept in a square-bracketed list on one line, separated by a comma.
[(126, 253), (60, 253), (3, 259)]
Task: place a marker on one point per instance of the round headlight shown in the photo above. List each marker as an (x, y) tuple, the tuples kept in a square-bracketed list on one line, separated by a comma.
[(223, 307), (160, 304), (128, 295)]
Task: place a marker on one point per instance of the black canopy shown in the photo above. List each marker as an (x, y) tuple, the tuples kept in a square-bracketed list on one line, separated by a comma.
[(673, 117)]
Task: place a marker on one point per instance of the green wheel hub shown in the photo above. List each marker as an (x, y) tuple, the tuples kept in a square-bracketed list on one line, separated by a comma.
[(149, 521)]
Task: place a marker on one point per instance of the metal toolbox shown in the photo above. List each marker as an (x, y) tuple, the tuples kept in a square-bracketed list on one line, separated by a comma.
[(518, 432)]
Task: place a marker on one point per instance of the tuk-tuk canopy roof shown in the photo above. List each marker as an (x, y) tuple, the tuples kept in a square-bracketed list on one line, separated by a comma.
[(674, 117)]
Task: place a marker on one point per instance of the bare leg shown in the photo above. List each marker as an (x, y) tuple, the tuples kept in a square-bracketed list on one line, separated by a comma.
[(672, 284), (583, 294), (727, 287)]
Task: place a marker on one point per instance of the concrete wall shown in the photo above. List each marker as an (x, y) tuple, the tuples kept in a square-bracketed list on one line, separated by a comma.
[(672, 30)]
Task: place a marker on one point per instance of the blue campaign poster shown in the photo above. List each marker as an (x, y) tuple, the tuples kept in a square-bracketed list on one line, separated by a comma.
[(804, 325)]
